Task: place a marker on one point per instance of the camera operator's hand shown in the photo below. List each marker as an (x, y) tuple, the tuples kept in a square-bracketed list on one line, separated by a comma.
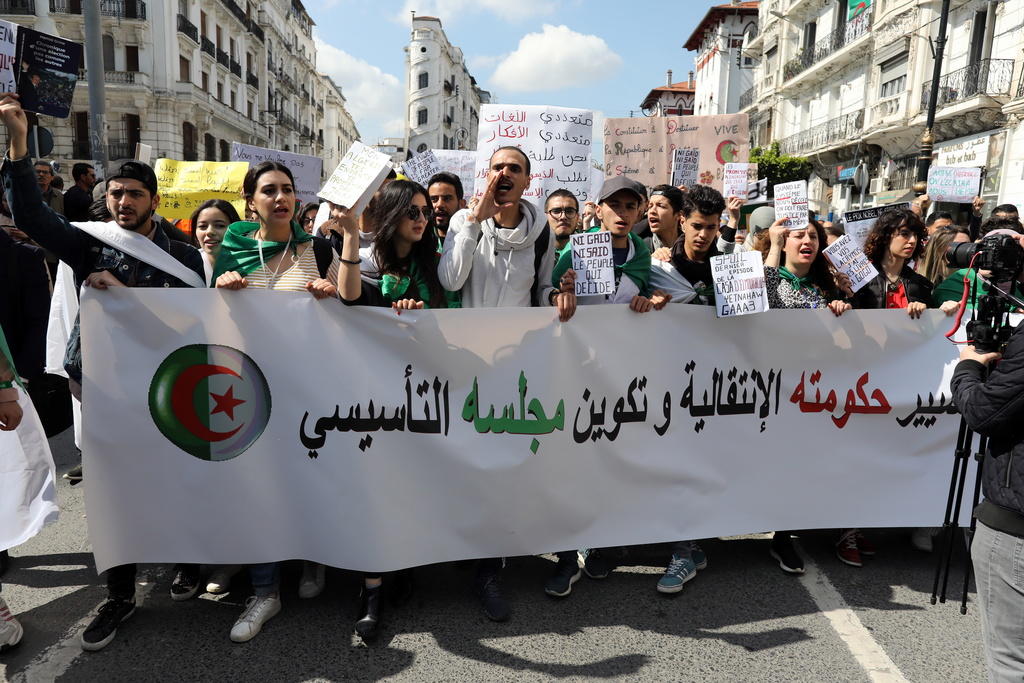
[(970, 353)]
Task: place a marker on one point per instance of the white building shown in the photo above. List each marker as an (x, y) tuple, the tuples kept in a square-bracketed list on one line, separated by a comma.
[(189, 78), (846, 89), (723, 74), (671, 99), (339, 130), (443, 102), (394, 148)]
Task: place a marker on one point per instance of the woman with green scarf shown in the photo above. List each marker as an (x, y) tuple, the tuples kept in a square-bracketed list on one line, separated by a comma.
[(796, 272), (273, 252)]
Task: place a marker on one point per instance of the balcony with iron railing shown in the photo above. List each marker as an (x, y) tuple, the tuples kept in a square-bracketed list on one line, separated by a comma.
[(748, 96), (1020, 85), (256, 30), (252, 79), (236, 10), (236, 68), (18, 7), (223, 59), (988, 77), (122, 9), (116, 149), (119, 77), (888, 108), (289, 121), (845, 35), (188, 28), (834, 132), (208, 47)]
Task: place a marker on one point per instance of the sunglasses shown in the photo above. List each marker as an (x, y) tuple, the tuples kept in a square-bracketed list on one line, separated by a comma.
[(564, 211), (413, 212)]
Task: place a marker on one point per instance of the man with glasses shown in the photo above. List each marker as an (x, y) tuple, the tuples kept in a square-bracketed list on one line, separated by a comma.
[(563, 212), (44, 177)]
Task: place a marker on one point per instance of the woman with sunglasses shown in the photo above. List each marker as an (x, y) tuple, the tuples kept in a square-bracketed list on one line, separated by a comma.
[(307, 216)]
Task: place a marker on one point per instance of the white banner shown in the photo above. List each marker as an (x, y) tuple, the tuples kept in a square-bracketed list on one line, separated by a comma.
[(305, 169), (444, 435), (28, 497)]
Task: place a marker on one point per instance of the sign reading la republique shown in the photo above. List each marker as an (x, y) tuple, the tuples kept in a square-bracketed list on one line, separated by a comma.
[(444, 435)]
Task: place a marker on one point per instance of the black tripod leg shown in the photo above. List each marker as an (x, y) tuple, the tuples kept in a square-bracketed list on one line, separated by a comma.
[(968, 565), (956, 485)]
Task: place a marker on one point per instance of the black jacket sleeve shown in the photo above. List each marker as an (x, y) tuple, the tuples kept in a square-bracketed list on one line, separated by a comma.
[(35, 287), (993, 407)]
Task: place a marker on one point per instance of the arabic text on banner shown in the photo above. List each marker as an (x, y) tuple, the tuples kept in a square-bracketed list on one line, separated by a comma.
[(556, 140), (497, 432)]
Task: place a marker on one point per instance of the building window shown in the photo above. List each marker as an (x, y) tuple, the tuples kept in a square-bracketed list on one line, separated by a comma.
[(421, 117), (131, 58), (184, 70), (108, 53), (233, 100), (220, 91), (893, 76), (210, 143), (188, 141), (248, 109), (225, 151), (424, 80), (206, 82)]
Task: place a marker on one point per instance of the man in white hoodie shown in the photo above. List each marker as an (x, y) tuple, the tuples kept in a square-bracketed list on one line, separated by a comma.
[(500, 252)]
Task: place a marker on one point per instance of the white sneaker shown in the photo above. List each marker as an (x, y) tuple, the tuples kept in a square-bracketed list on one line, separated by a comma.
[(313, 580), (220, 579), (258, 611), (10, 629)]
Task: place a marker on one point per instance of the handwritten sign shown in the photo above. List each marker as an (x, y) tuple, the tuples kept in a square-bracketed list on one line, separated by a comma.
[(847, 256), (462, 163), (592, 260), (8, 42), (356, 178), (791, 202), (555, 139), (735, 181), (306, 169), (757, 191), (422, 167), (858, 224), (184, 185), (643, 148), (685, 167), (953, 184), (739, 284)]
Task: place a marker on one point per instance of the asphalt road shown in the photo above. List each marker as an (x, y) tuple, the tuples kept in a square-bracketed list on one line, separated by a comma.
[(740, 619)]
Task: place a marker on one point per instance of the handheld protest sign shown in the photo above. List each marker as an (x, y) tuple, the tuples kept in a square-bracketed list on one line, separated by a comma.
[(47, 69), (685, 166), (422, 167), (735, 182), (791, 202), (356, 178), (305, 169), (739, 284), (953, 184), (593, 262), (847, 256)]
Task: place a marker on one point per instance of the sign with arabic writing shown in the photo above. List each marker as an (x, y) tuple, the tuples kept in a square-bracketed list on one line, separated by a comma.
[(643, 148), (555, 139), (454, 431)]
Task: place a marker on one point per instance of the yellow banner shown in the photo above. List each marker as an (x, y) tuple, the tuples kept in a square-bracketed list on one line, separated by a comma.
[(184, 185)]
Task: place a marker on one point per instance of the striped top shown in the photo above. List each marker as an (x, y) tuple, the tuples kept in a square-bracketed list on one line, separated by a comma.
[(297, 274)]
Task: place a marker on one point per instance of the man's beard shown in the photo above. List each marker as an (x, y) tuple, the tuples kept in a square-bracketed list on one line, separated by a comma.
[(141, 221)]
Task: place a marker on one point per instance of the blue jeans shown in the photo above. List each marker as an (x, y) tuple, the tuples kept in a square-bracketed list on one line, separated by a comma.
[(999, 575), (264, 578)]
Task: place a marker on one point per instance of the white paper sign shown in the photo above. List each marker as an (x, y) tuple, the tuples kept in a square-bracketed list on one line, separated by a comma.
[(556, 140), (143, 152), (462, 163), (858, 223), (357, 177), (8, 43), (305, 169), (685, 166), (791, 202), (422, 167), (593, 262), (735, 181), (848, 257), (757, 191), (953, 184), (739, 283)]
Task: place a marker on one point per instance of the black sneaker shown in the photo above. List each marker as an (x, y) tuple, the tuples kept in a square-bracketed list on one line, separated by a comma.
[(74, 475), (786, 555), (567, 572), (186, 582), (103, 628), (489, 592), (598, 563), (5, 561)]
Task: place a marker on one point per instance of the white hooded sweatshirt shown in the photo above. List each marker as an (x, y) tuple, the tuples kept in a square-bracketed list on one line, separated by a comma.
[(495, 266)]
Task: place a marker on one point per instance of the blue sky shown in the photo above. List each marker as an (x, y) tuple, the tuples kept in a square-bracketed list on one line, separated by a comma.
[(596, 54)]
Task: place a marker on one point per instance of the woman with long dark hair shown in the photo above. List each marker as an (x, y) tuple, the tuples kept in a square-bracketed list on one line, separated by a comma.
[(209, 222), (896, 240)]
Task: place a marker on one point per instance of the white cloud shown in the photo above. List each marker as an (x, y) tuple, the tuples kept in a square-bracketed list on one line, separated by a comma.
[(480, 63), (450, 10), (375, 99), (555, 59)]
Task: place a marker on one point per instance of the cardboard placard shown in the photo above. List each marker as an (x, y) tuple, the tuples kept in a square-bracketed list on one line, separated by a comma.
[(593, 262), (356, 178), (739, 283), (848, 257)]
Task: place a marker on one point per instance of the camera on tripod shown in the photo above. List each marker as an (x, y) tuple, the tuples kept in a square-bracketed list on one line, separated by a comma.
[(1002, 258)]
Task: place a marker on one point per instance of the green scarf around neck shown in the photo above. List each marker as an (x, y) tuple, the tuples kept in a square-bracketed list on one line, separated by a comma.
[(798, 283), (638, 269), (241, 253), (394, 287)]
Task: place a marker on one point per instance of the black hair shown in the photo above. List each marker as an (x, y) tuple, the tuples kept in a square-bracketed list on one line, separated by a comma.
[(1005, 208), (673, 194), (703, 199), (994, 223), (224, 206), (562, 192), (254, 173), (306, 207), (80, 169), (835, 229), (938, 215), (449, 178), (876, 245), (514, 149), (98, 210), (392, 203)]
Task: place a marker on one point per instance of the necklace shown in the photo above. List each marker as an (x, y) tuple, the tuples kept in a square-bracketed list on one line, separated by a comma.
[(893, 284), (274, 273)]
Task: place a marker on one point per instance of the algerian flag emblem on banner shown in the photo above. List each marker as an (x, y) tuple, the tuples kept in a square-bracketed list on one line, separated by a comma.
[(211, 401)]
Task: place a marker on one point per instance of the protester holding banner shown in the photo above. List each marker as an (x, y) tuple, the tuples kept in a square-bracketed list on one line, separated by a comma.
[(796, 272), (563, 212), (446, 198), (686, 275), (896, 239), (130, 251), (209, 222)]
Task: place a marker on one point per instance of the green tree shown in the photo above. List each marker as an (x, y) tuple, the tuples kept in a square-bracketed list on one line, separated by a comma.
[(779, 168)]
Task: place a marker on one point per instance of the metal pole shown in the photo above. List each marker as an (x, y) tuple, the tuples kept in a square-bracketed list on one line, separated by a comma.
[(94, 68), (924, 160)]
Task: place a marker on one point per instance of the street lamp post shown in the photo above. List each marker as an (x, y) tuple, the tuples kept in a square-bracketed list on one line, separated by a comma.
[(924, 159)]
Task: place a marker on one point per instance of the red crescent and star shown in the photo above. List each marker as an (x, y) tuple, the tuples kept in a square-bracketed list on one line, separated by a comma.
[(182, 405)]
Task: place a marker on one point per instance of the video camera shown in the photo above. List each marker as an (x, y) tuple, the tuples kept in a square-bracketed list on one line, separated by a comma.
[(1003, 257)]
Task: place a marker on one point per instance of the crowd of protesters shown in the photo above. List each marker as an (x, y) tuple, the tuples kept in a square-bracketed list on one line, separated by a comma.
[(417, 247)]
